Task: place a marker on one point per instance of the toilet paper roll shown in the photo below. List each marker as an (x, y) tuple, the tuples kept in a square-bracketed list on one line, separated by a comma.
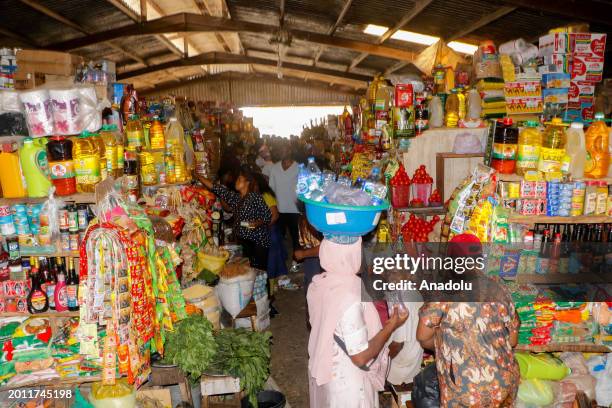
[(513, 47), (66, 111), (37, 106)]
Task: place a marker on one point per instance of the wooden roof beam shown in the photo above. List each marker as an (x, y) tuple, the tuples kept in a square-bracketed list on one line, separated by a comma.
[(75, 26), (22, 39), (395, 67), (587, 10), (419, 6), (483, 21), (331, 30), (188, 22), (225, 58)]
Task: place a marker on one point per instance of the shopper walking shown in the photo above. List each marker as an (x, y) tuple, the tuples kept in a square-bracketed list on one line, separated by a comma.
[(347, 344), (283, 180), (473, 343), (308, 251), (251, 216)]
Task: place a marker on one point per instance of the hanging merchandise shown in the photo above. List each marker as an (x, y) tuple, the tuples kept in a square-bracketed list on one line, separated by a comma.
[(598, 154)]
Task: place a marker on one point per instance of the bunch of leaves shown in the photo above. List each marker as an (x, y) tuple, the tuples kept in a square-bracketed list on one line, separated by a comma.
[(246, 355), (191, 345)]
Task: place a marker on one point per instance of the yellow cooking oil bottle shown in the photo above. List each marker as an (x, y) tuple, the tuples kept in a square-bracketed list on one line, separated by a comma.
[(174, 148), (148, 173), (108, 134), (134, 132), (156, 134), (102, 159), (86, 156)]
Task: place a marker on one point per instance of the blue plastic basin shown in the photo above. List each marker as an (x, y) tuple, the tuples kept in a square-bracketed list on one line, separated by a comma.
[(340, 219)]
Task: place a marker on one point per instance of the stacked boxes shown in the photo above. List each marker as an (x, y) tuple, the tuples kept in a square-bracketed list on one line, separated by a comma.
[(33, 66), (8, 66), (581, 55), (523, 97)]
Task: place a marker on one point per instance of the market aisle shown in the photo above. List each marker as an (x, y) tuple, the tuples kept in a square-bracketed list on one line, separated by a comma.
[(290, 344)]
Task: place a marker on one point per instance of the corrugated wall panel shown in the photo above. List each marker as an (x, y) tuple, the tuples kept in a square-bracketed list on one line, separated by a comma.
[(257, 93)]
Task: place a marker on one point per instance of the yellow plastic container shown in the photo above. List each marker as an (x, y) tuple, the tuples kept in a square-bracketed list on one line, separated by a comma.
[(110, 150), (134, 132), (597, 144), (156, 135), (529, 146), (553, 147), (102, 152), (148, 173), (451, 108), (86, 155), (175, 149), (11, 176)]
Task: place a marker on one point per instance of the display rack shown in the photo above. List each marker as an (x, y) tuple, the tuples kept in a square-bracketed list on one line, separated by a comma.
[(423, 210), (561, 347), (545, 219), (57, 382), (516, 177), (48, 315), (79, 198)]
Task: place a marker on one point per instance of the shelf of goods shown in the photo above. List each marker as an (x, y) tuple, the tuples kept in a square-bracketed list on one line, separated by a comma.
[(561, 347), (48, 315), (423, 210), (563, 278), (516, 177), (545, 219), (62, 383), (79, 198)]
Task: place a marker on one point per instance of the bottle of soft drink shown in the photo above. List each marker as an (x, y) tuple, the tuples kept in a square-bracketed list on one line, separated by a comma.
[(302, 180), (314, 175)]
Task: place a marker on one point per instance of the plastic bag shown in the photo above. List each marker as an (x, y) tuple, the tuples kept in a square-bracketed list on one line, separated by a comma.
[(91, 109), (535, 392), (601, 369), (541, 366), (426, 389), (467, 142), (575, 362), (336, 193)]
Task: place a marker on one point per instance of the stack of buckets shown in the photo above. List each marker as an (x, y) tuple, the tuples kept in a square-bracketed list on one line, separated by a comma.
[(25, 171)]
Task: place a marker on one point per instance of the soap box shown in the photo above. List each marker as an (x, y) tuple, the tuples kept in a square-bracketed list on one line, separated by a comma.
[(556, 80), (587, 68), (581, 91), (588, 44), (555, 95), (557, 43)]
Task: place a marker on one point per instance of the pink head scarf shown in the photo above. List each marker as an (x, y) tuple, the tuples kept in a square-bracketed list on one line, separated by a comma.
[(329, 296)]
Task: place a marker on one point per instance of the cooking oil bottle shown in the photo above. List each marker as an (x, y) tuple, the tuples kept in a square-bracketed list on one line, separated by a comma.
[(109, 139), (452, 109), (529, 146), (156, 135), (134, 132), (148, 173), (86, 155), (102, 152), (175, 148)]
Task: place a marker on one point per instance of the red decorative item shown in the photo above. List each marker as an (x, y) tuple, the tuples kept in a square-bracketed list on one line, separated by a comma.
[(434, 199), (400, 188), (418, 229)]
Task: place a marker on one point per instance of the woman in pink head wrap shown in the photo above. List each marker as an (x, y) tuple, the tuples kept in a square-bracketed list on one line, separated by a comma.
[(348, 345)]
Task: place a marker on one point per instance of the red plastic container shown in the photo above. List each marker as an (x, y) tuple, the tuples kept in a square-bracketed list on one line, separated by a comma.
[(400, 196), (59, 151)]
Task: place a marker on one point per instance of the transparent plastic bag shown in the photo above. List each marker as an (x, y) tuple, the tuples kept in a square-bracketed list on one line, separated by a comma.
[(536, 392), (467, 142)]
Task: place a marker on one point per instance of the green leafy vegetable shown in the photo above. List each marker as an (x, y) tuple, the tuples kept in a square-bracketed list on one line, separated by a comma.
[(246, 355), (191, 346)]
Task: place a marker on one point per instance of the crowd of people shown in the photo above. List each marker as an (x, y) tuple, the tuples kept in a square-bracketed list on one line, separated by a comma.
[(356, 348)]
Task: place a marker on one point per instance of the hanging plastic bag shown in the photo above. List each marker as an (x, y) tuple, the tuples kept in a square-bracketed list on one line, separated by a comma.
[(436, 113), (535, 392), (467, 142)]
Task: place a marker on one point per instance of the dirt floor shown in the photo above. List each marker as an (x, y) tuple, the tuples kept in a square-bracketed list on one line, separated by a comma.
[(290, 345)]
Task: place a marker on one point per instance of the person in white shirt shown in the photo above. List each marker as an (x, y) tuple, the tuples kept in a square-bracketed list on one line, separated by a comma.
[(283, 180), (264, 160), (405, 351)]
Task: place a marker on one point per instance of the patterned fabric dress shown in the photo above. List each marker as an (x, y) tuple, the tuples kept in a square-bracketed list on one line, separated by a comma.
[(474, 358)]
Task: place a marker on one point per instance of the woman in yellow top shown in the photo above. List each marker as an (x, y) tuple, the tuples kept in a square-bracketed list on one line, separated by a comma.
[(277, 269)]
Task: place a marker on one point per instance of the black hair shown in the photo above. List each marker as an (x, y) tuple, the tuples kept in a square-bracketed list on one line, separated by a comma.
[(262, 184)]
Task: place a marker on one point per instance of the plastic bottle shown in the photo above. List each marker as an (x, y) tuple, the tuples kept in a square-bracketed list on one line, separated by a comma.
[(314, 175), (11, 176), (174, 146), (575, 149), (72, 287), (86, 162), (61, 165), (37, 299), (61, 299), (134, 132), (451, 109), (462, 104), (35, 166), (302, 180), (529, 145), (474, 105), (553, 147), (148, 173), (436, 113), (107, 134), (505, 146), (102, 155), (156, 135), (598, 155), (376, 189)]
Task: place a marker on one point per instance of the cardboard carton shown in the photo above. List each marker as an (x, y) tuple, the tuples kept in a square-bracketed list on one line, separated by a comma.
[(587, 68), (588, 44), (557, 43)]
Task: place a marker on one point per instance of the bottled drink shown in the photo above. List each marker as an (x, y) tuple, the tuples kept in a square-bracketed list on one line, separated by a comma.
[(156, 134), (72, 287), (5, 273), (314, 175), (35, 166), (543, 262), (174, 147), (436, 112), (134, 132), (61, 299), (474, 104), (61, 164), (576, 150), (50, 282), (505, 146), (102, 155), (131, 185), (462, 104), (302, 180), (86, 155), (529, 145), (597, 145), (421, 118), (37, 299)]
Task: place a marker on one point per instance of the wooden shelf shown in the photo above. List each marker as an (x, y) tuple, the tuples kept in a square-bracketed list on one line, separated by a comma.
[(79, 198), (423, 210), (560, 347), (49, 315), (545, 219), (561, 278), (450, 155), (56, 382), (516, 177), (62, 254)]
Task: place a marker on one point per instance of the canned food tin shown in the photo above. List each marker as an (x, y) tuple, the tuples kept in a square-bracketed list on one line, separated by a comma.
[(74, 242), (65, 241), (63, 221)]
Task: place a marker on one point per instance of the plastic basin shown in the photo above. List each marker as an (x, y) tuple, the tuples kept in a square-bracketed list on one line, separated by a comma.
[(340, 219), (266, 399)]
